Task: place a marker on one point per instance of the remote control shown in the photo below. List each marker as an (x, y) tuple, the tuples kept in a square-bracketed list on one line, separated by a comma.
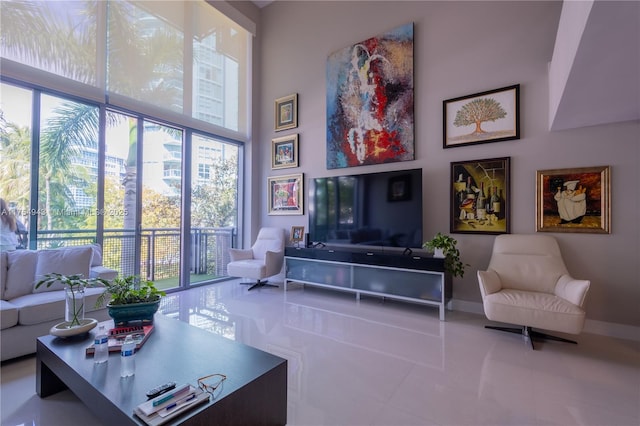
[(159, 390)]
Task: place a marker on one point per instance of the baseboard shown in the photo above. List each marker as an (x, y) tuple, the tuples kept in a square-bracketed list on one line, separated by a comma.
[(466, 306), (611, 329)]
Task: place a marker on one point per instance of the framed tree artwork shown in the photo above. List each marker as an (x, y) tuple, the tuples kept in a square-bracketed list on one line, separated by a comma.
[(489, 116), (574, 200), (285, 195), (480, 196)]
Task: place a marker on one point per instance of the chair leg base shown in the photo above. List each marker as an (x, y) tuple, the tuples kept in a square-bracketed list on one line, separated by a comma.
[(260, 283), (528, 334)]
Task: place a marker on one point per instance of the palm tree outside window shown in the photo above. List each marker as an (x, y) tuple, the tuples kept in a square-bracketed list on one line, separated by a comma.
[(79, 166)]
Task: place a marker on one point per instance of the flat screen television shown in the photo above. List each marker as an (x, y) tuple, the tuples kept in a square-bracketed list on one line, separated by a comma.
[(374, 209)]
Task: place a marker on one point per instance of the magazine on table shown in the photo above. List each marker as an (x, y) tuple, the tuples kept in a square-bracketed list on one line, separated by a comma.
[(117, 335)]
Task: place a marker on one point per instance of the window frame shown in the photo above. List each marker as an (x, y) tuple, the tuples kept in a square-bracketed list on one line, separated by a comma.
[(186, 170)]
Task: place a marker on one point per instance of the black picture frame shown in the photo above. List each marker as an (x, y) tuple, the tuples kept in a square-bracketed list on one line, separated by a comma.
[(502, 120), (286, 112), (468, 180), (399, 188)]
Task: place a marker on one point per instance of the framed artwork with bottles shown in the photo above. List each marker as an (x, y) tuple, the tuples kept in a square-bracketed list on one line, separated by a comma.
[(480, 196)]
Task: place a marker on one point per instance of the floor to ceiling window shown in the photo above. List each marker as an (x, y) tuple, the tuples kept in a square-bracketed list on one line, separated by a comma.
[(143, 158), (140, 218), (15, 154), (68, 172), (161, 202), (214, 182), (119, 238)]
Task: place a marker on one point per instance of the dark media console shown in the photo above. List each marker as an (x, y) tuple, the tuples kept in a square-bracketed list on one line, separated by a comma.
[(371, 272)]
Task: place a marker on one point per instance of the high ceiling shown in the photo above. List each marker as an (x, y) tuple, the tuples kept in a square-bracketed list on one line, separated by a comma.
[(603, 85), (604, 80), (263, 3)]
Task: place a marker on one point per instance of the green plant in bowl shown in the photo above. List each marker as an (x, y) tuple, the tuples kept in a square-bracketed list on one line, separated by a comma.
[(131, 299), (128, 290)]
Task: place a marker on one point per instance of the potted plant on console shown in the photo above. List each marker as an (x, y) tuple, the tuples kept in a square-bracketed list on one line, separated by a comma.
[(131, 300), (444, 246)]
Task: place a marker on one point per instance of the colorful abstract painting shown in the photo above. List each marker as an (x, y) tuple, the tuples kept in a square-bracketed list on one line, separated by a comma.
[(370, 101)]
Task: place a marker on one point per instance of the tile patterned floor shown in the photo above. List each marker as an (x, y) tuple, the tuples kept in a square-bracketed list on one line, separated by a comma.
[(379, 362)]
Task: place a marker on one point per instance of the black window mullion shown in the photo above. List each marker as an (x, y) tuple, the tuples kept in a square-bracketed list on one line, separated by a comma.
[(35, 168)]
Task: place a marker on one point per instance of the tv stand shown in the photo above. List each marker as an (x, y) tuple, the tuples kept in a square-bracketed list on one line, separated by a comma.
[(371, 272)]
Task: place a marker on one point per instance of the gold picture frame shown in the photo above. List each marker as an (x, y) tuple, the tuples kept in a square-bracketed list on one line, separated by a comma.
[(574, 200), (286, 196), (286, 112), (297, 234), (284, 152)]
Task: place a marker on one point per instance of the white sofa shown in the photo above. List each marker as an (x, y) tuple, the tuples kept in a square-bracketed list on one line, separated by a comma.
[(26, 312)]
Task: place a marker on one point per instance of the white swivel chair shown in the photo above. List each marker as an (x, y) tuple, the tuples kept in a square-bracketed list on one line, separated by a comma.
[(264, 259), (527, 283)]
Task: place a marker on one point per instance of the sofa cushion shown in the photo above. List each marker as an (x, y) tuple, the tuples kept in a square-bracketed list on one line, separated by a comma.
[(248, 268), (96, 259), (3, 272), (102, 272), (66, 261), (21, 265), (42, 307), (535, 309), (8, 314), (528, 272)]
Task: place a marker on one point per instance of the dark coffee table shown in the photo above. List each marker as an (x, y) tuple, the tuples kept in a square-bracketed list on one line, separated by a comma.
[(255, 391)]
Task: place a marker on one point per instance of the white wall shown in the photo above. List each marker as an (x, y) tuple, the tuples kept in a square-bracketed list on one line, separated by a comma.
[(460, 48)]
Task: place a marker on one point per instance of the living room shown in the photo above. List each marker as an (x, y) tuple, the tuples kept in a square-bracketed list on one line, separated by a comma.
[(460, 48), (463, 48)]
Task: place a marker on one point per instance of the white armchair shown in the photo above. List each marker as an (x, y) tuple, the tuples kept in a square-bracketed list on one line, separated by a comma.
[(264, 259), (527, 283)]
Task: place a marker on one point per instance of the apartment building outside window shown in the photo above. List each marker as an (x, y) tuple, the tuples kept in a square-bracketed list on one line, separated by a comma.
[(113, 130)]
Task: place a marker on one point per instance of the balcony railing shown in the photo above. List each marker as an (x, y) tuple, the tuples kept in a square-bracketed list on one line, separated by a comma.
[(159, 249)]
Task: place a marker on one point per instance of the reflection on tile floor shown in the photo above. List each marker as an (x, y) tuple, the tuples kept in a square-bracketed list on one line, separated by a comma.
[(379, 362)]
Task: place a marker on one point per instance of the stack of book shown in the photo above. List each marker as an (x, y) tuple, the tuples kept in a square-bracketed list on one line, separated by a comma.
[(165, 407), (117, 335)]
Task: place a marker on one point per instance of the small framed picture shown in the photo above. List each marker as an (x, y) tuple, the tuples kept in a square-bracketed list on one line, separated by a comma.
[(287, 112), (399, 188), (284, 152), (480, 196), (297, 234), (490, 116), (574, 200), (285, 195)]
